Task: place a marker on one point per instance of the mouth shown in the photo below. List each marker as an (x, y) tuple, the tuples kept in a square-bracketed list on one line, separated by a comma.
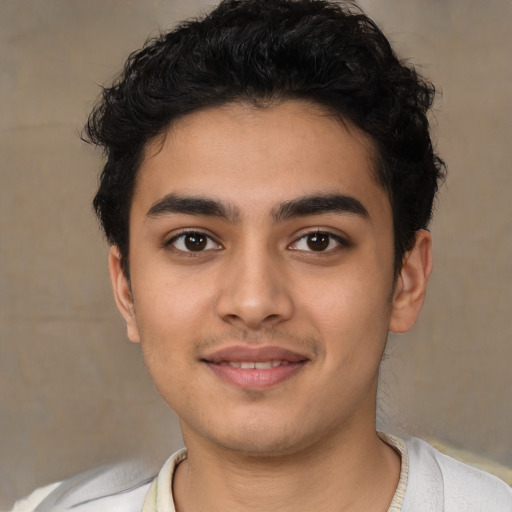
[(255, 368), (256, 365)]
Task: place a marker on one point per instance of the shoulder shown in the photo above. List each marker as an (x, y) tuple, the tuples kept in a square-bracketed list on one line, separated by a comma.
[(450, 485), (117, 488), (30, 502)]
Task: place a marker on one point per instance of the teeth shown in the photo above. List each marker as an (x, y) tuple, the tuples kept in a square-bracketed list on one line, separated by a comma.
[(264, 365), (250, 365)]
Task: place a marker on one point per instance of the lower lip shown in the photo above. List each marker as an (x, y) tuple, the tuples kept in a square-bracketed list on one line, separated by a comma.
[(254, 378)]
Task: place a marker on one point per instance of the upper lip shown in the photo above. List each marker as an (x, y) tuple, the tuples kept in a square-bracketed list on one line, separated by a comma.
[(254, 354)]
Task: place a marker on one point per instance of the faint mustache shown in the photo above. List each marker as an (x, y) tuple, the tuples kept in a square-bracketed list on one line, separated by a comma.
[(270, 335)]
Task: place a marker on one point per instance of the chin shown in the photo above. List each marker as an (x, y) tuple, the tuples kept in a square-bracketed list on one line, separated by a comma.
[(260, 438), (260, 445)]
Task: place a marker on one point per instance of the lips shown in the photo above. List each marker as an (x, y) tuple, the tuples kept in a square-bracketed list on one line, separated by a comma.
[(258, 365), (255, 368)]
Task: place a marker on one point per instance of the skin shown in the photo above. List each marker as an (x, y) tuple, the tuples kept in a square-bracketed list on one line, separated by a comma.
[(307, 442)]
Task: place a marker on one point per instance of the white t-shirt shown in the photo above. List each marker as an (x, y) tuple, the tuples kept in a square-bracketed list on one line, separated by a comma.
[(429, 482)]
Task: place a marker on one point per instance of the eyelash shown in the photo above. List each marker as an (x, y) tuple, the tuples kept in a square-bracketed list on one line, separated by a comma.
[(208, 241), (171, 244), (331, 237)]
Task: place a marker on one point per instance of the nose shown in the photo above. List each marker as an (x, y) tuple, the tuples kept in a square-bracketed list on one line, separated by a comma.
[(254, 292)]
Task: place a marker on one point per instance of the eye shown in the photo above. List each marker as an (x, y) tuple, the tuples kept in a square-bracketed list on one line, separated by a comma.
[(319, 241), (193, 241)]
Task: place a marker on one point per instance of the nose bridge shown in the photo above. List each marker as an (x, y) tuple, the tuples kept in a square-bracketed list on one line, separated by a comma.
[(254, 290)]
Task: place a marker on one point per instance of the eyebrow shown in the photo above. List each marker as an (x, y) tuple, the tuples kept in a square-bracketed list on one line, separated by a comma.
[(319, 204), (315, 204), (192, 205)]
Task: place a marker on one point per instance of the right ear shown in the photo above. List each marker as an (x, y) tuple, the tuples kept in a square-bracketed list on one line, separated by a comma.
[(123, 294)]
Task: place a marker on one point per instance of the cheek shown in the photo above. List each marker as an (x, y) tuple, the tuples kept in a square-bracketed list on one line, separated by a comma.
[(351, 316), (168, 298), (348, 302), (173, 311)]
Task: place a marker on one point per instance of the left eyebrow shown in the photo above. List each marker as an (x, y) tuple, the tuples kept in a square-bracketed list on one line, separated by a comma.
[(319, 204)]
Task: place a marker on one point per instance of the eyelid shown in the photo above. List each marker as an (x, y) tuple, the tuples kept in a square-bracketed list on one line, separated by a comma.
[(169, 242), (341, 240)]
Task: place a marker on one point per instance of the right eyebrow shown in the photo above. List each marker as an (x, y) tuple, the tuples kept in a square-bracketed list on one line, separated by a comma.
[(193, 205)]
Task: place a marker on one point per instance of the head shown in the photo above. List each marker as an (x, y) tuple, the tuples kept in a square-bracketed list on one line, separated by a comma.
[(269, 172), (264, 53)]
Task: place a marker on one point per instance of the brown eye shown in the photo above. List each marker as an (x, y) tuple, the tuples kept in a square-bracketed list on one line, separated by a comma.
[(195, 241), (318, 241)]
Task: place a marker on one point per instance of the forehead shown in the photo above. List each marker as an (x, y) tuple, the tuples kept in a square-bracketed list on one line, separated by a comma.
[(259, 156)]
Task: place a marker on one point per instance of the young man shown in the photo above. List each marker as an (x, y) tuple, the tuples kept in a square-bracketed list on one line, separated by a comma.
[(268, 185)]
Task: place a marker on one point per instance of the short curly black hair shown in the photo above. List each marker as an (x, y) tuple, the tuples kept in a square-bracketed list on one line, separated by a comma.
[(261, 51)]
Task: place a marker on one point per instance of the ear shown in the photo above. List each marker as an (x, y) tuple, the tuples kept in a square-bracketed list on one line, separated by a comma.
[(123, 294), (411, 284)]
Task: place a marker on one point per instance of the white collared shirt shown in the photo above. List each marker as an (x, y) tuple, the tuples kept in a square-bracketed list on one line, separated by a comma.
[(429, 482)]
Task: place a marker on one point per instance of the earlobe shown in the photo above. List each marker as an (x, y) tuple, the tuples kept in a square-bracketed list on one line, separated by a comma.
[(411, 284), (123, 294)]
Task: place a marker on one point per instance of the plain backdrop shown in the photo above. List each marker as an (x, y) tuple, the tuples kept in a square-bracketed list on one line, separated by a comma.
[(74, 394)]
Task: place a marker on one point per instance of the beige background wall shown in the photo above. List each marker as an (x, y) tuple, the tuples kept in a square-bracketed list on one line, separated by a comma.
[(74, 394)]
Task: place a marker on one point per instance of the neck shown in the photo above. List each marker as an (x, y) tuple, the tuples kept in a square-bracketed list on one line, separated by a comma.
[(349, 473)]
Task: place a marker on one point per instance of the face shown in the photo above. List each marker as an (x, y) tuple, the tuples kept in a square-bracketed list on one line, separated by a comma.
[(261, 266)]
